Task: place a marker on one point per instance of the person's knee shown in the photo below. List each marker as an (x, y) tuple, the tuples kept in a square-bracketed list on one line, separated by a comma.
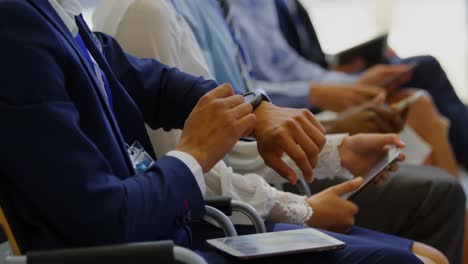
[(458, 195), (428, 63), (440, 195), (430, 253), (451, 192), (394, 255)]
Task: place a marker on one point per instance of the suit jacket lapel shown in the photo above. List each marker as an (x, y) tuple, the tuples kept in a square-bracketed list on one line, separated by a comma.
[(47, 10)]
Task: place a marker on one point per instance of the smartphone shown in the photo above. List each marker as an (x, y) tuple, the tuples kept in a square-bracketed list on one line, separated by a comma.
[(404, 103), (389, 80), (382, 165)]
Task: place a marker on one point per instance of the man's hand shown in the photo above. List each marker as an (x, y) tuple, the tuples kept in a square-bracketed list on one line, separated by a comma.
[(331, 212), (379, 74), (338, 98), (218, 120), (294, 132), (372, 117), (357, 64), (360, 152)]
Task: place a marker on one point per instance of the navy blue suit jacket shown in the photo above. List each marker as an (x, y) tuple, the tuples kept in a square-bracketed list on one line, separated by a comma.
[(64, 167), (304, 40)]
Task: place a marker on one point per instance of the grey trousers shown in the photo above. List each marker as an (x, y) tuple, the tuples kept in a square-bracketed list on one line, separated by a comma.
[(421, 203)]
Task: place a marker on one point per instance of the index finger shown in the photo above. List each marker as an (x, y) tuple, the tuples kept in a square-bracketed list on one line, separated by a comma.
[(222, 91), (347, 186), (392, 116), (299, 157), (314, 121)]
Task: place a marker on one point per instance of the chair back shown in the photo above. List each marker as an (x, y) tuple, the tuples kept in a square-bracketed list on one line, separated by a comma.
[(13, 228), (9, 234)]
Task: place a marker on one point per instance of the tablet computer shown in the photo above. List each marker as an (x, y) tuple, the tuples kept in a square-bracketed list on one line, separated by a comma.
[(383, 164), (276, 243), (372, 51)]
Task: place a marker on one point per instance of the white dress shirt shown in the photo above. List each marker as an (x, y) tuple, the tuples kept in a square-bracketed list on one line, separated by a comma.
[(67, 10)]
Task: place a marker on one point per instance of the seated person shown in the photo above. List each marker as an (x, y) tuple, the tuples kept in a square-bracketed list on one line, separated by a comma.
[(293, 18), (325, 91), (93, 97), (164, 35), (274, 59)]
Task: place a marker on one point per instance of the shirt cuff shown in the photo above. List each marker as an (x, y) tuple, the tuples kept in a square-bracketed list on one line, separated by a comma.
[(193, 166), (329, 163)]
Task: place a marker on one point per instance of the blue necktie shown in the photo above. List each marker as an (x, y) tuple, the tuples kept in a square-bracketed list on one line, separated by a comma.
[(104, 84)]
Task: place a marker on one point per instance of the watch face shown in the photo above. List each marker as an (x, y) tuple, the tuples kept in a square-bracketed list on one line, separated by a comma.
[(249, 97)]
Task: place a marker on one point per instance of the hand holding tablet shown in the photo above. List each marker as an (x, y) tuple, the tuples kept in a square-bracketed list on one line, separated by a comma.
[(391, 79), (388, 160)]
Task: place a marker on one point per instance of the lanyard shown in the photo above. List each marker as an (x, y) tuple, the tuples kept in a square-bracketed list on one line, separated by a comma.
[(175, 7), (103, 83), (227, 18)]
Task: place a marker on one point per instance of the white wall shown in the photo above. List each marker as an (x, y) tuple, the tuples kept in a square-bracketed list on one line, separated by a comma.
[(436, 27)]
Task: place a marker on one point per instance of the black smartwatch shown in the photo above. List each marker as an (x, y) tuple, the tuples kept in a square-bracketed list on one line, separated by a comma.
[(255, 98)]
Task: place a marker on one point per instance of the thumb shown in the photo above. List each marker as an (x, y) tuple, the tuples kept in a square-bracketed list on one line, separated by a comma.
[(390, 139), (347, 186), (379, 99)]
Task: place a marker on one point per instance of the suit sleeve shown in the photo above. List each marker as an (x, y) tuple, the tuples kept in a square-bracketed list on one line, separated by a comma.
[(165, 95), (53, 170)]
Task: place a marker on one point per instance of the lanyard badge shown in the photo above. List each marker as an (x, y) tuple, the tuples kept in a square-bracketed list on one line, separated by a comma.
[(141, 160)]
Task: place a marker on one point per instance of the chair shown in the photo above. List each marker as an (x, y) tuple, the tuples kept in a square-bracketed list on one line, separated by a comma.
[(226, 205), (145, 251), (303, 187), (141, 253), (2, 236)]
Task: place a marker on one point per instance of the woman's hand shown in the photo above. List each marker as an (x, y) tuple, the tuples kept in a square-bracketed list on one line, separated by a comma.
[(360, 152), (331, 211)]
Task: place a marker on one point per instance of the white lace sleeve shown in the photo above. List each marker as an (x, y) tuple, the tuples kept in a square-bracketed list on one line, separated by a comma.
[(290, 208), (329, 163), (250, 188)]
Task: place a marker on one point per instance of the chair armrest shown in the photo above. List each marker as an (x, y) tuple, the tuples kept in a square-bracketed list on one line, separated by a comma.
[(141, 253), (222, 203), (251, 213), (187, 256), (303, 187), (216, 217), (227, 206)]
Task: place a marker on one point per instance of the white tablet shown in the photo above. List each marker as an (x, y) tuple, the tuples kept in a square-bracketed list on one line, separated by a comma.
[(276, 243), (383, 164)]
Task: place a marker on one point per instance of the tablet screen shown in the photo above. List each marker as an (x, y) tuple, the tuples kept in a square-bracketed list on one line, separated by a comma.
[(387, 160), (276, 243)]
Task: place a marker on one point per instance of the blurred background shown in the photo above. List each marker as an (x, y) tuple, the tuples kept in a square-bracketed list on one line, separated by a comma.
[(417, 27)]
